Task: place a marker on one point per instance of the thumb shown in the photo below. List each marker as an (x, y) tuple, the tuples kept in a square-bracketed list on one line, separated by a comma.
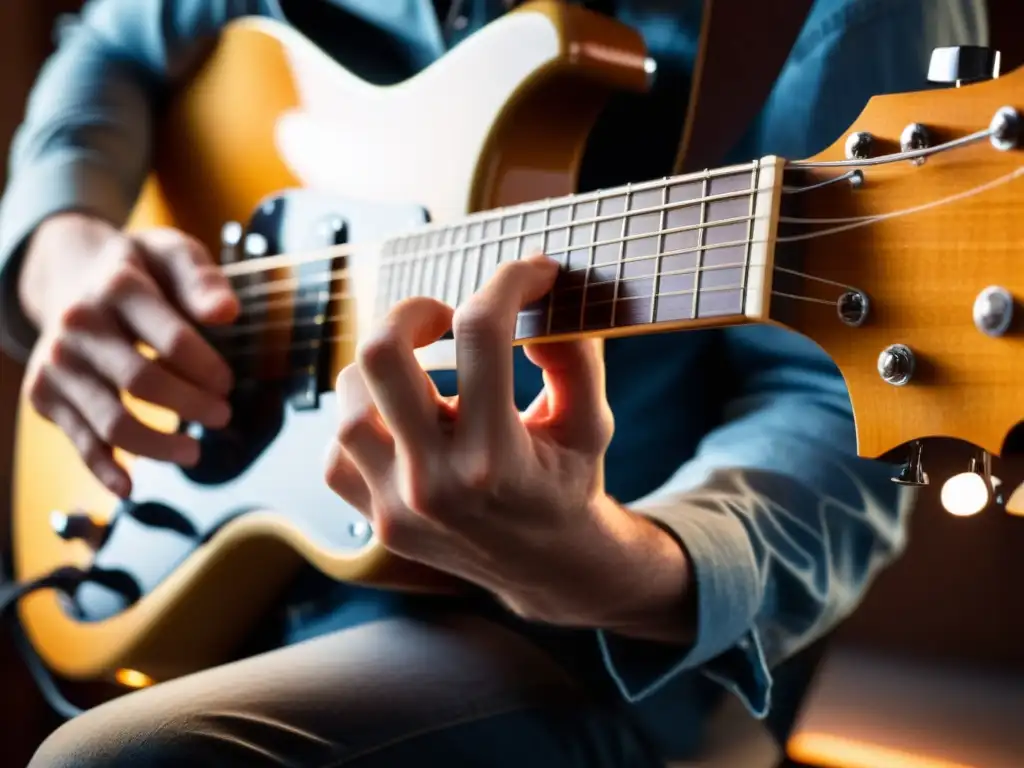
[(574, 382), (185, 270)]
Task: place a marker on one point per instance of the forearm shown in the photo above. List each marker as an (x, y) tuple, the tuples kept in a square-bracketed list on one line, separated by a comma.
[(85, 142)]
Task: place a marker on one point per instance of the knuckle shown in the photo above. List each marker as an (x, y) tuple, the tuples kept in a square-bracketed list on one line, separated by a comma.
[(378, 351), (478, 474), (392, 528), (122, 281), (177, 341), (426, 493), (115, 426), (91, 450), (39, 394), (475, 320), (79, 316), (355, 425), (60, 353), (136, 377)]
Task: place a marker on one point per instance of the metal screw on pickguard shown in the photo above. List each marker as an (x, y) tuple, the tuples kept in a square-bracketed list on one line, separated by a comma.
[(360, 530), (853, 308), (896, 364), (915, 136), (993, 311), (858, 145), (1006, 129)]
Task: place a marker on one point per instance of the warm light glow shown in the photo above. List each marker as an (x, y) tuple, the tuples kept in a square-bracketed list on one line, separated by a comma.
[(965, 494), (1015, 504), (835, 752), (132, 678)]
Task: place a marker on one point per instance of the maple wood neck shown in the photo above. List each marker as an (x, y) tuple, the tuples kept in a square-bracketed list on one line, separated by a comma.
[(683, 251)]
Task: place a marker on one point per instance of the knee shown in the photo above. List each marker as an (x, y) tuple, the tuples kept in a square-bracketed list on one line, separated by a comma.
[(110, 736)]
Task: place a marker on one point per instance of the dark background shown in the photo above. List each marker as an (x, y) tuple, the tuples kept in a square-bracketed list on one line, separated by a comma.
[(954, 598)]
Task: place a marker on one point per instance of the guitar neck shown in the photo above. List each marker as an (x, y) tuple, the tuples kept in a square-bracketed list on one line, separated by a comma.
[(680, 252)]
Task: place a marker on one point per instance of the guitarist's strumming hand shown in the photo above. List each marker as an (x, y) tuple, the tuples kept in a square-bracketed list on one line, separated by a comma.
[(514, 503), (94, 293)]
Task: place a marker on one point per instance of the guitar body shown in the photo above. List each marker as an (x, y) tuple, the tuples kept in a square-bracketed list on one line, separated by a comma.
[(271, 125), (913, 259)]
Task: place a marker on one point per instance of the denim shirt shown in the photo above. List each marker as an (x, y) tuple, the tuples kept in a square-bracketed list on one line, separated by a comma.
[(784, 525)]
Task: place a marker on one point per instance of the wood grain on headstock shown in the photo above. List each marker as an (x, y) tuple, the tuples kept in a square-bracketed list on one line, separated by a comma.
[(922, 271)]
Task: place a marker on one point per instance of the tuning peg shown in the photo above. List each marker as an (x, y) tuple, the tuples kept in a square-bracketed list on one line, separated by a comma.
[(912, 473), (961, 64)]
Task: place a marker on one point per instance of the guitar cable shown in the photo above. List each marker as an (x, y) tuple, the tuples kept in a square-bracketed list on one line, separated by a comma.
[(64, 579)]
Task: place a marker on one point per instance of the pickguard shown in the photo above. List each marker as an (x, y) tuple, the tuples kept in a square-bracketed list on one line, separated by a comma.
[(146, 543)]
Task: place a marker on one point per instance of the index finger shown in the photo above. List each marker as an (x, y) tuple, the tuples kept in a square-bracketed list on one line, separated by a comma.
[(404, 395), (177, 343), (484, 328)]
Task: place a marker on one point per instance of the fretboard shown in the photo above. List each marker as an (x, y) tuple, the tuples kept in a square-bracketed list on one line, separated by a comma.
[(685, 250)]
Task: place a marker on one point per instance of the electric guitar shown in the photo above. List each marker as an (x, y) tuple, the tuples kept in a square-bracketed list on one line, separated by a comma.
[(899, 250)]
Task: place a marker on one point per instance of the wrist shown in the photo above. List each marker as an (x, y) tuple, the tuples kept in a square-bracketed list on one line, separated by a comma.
[(656, 597), (57, 250)]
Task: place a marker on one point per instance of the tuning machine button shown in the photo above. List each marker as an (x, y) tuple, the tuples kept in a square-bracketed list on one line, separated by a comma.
[(993, 311), (896, 364), (912, 473), (915, 136), (960, 64), (858, 145), (79, 526), (1006, 128)]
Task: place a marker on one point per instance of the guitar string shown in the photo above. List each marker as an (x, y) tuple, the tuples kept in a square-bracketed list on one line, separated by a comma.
[(251, 349), (860, 221), (238, 329), (279, 261), (855, 222), (849, 223)]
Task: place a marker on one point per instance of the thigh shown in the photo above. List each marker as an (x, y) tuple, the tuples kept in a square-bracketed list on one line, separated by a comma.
[(455, 690)]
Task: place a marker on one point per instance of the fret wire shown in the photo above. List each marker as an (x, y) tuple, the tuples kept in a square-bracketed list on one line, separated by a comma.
[(544, 249), (651, 209), (519, 256), (681, 292), (522, 228), (447, 268), (667, 231), (420, 267), (750, 235), (462, 268), (659, 257), (591, 255), (622, 251), (701, 242), (598, 195), (477, 266), (429, 262)]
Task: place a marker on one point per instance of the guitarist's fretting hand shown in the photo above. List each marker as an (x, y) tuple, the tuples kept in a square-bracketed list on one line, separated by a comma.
[(512, 502), (94, 293)]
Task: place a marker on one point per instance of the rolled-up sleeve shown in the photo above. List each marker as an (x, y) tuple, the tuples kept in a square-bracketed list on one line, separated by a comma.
[(85, 141), (784, 527)]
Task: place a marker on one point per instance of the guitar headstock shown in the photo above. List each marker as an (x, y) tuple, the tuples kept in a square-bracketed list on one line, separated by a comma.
[(928, 251)]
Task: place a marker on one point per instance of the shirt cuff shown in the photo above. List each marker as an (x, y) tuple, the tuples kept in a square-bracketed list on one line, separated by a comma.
[(62, 181), (729, 596)]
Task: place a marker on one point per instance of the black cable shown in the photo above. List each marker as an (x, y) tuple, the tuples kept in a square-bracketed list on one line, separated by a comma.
[(63, 579)]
